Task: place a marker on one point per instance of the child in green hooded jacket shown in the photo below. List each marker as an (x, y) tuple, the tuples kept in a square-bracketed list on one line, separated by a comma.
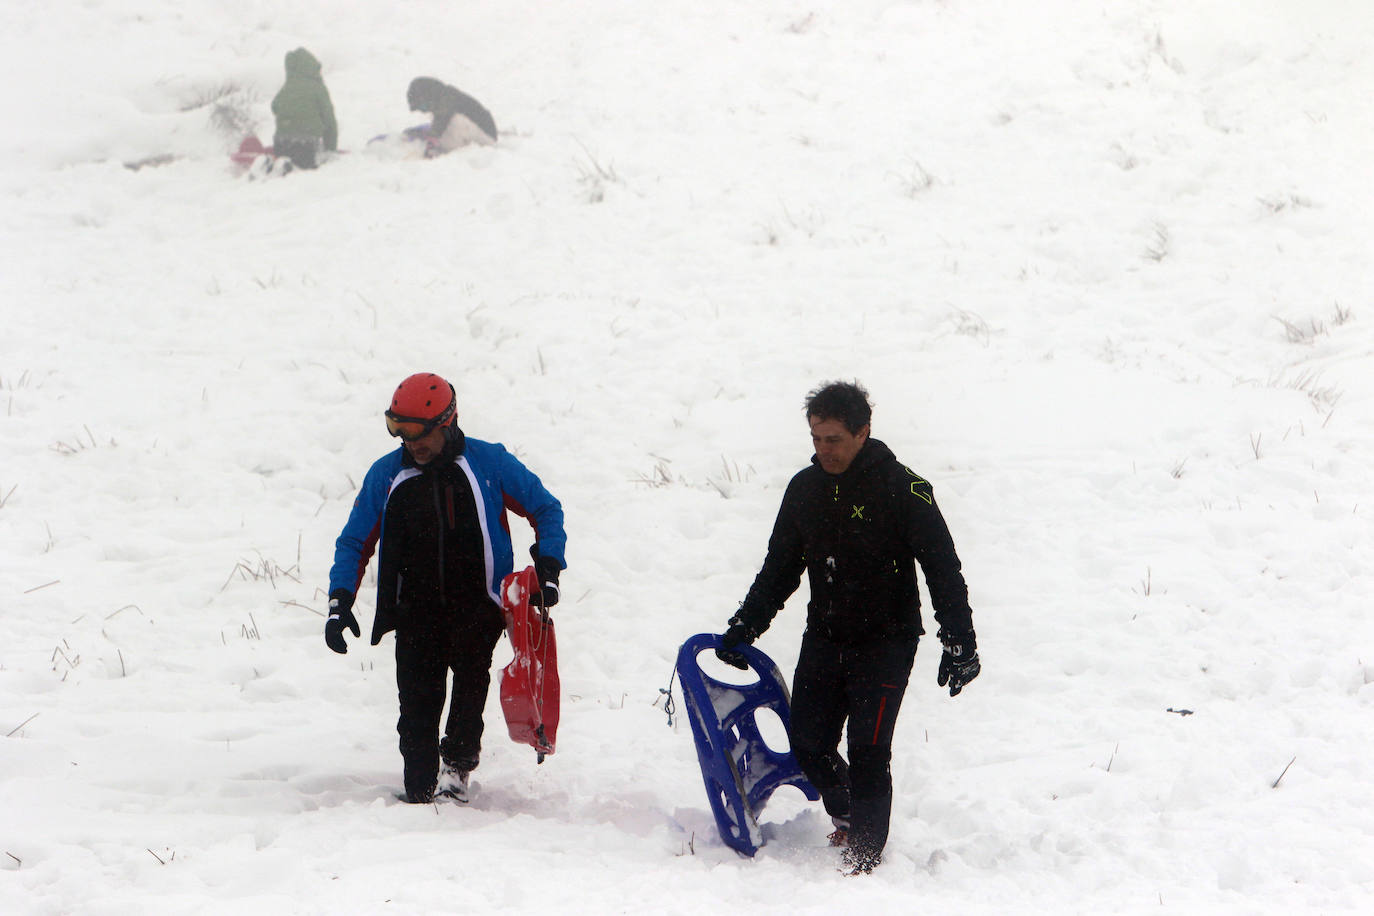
[(305, 114)]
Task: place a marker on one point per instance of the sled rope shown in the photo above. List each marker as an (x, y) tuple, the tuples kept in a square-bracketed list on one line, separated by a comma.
[(666, 694), (543, 651), (541, 647)]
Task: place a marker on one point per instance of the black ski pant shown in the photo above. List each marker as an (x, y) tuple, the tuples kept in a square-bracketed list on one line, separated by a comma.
[(304, 153), (428, 648), (862, 685)]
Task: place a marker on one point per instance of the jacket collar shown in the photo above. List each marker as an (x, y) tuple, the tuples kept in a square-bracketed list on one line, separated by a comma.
[(455, 444), (871, 453)]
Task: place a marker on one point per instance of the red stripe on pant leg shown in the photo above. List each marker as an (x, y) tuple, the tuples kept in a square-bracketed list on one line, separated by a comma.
[(882, 705)]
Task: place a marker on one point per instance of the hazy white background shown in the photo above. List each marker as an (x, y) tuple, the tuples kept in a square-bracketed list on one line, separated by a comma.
[(1103, 266)]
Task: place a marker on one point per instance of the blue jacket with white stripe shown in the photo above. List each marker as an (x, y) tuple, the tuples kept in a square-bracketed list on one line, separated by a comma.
[(502, 482)]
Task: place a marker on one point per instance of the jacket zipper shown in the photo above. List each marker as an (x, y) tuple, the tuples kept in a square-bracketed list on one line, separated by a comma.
[(439, 518)]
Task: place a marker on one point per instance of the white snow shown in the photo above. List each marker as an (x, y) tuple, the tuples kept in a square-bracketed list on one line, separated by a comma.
[(1104, 268)]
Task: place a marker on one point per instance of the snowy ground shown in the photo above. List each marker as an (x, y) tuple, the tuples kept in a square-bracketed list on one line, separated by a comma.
[(1103, 266)]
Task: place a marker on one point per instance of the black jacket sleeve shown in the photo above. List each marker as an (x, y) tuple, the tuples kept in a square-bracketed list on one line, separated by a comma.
[(930, 542), (782, 567)]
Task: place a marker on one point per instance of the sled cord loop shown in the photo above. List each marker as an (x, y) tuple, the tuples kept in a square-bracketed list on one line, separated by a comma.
[(666, 694)]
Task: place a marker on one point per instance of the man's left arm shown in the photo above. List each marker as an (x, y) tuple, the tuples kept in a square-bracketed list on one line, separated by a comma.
[(525, 494), (933, 547)]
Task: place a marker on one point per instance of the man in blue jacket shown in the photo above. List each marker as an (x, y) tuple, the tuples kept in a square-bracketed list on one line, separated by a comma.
[(436, 508)]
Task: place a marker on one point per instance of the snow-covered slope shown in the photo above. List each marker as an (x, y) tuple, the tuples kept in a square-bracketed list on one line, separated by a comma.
[(1103, 267)]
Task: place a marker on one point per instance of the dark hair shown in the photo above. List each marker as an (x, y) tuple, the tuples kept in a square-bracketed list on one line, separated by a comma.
[(423, 93), (843, 401)]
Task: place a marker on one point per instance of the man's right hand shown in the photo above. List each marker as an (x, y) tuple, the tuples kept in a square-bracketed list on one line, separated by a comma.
[(736, 635), (340, 618)]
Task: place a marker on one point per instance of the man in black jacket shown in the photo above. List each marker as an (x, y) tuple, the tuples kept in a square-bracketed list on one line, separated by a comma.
[(855, 520)]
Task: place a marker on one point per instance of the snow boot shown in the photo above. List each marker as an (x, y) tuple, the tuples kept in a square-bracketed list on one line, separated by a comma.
[(860, 860), (453, 784)]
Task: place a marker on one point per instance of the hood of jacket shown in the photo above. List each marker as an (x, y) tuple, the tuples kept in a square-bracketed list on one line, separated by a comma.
[(301, 62)]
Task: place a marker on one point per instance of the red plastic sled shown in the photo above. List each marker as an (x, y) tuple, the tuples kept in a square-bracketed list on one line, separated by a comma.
[(250, 149), (529, 684)]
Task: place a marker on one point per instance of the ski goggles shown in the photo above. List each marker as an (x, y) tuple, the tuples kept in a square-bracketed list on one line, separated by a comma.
[(412, 428)]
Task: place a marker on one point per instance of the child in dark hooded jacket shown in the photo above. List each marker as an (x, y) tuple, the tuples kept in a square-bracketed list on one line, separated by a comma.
[(305, 114), (459, 119)]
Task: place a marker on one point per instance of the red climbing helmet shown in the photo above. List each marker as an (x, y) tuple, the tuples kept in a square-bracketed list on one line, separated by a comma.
[(422, 403)]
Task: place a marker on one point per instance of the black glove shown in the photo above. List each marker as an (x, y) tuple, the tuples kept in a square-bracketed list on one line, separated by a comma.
[(340, 618), (547, 570), (737, 634), (959, 663)]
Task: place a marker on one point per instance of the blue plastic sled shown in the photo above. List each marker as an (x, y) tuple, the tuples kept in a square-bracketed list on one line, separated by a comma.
[(739, 769)]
